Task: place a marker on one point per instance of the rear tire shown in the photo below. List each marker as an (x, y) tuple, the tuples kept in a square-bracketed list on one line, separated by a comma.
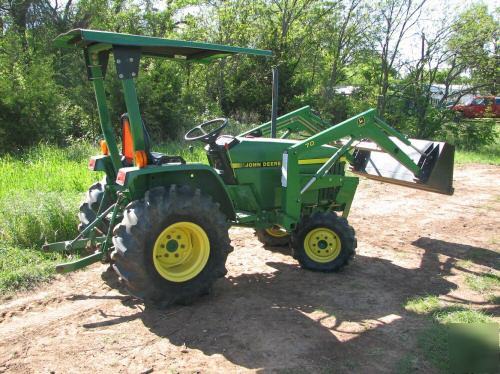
[(140, 235), (273, 237), (90, 206), (323, 242)]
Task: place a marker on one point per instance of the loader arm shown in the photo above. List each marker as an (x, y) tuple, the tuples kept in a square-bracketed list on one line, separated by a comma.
[(366, 125), (300, 120)]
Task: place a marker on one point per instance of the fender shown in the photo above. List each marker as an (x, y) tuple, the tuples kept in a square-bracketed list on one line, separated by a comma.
[(139, 180)]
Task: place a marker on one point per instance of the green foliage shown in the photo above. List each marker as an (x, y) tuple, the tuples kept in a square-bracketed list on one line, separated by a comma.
[(422, 304), (483, 282), (434, 341), (473, 41), (485, 155), (34, 218), (40, 191), (460, 315), (318, 45), (47, 169), (39, 195), (30, 106), (470, 135), (23, 268)]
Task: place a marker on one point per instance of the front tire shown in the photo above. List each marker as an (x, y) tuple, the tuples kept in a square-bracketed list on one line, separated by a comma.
[(171, 246), (323, 242)]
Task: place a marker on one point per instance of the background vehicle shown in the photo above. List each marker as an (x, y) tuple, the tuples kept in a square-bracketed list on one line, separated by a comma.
[(479, 107)]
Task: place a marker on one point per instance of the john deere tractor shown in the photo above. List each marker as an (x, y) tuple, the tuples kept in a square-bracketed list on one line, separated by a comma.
[(163, 223)]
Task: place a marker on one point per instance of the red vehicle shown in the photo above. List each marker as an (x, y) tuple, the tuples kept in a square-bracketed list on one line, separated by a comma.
[(479, 107)]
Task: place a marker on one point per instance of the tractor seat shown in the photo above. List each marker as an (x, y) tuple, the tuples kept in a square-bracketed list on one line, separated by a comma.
[(157, 158), (154, 158)]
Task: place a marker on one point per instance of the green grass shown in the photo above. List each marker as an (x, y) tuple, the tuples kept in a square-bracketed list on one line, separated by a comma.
[(493, 299), (34, 218), (488, 284), (22, 268), (460, 314), (433, 340), (483, 282), (40, 191), (422, 304), (487, 155), (47, 169)]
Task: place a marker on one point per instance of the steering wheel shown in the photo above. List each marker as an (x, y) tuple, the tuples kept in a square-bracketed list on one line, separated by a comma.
[(208, 133)]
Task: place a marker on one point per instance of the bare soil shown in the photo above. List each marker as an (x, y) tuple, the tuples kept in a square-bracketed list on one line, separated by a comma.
[(268, 314)]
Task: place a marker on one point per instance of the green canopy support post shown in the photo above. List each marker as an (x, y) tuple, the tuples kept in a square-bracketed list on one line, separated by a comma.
[(134, 114), (97, 79)]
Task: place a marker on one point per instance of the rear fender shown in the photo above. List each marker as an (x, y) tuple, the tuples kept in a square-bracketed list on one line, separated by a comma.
[(103, 163), (139, 180)]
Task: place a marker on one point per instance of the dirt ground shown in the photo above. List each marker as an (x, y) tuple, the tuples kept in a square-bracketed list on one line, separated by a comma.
[(268, 314)]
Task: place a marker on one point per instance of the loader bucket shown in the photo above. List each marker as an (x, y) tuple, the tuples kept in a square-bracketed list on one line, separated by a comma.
[(436, 165)]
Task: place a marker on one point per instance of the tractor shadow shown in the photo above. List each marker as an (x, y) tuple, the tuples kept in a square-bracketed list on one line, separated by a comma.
[(477, 255), (300, 320)]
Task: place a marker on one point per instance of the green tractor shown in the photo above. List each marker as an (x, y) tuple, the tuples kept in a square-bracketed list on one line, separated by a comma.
[(163, 223)]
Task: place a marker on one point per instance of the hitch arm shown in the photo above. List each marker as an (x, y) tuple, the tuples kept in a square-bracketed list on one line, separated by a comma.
[(99, 255)]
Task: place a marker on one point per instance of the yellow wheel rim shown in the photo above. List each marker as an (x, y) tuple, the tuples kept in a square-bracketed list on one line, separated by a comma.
[(181, 251), (276, 232), (322, 245)]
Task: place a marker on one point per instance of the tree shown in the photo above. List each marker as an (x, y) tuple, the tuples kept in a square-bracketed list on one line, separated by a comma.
[(345, 37), (395, 18), (474, 44), (318, 45)]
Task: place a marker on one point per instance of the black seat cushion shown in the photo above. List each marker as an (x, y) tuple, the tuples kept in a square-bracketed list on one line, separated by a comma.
[(157, 158)]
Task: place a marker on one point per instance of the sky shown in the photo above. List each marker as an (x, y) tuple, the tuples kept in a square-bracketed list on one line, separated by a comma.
[(433, 12)]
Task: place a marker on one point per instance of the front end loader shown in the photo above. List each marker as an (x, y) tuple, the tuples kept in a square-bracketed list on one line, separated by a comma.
[(163, 223)]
